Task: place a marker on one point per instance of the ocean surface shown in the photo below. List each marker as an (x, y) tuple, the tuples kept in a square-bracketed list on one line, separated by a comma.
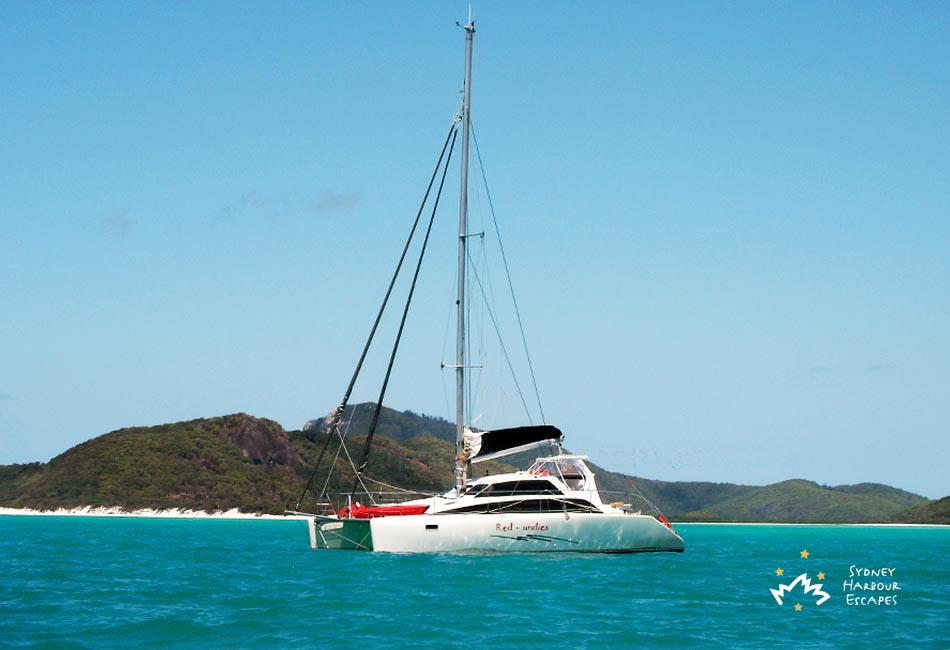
[(91, 582)]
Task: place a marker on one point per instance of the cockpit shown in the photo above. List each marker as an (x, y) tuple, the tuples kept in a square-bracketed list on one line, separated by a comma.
[(570, 469)]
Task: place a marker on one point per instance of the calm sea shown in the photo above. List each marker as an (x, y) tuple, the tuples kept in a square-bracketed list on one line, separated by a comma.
[(86, 582)]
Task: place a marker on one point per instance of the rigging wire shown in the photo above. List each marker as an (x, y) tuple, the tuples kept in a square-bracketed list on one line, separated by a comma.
[(398, 489), (338, 412), (336, 457), (511, 287), (402, 323), (341, 447), (501, 342)]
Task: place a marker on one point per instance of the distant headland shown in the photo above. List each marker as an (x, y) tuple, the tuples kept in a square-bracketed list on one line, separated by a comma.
[(241, 465)]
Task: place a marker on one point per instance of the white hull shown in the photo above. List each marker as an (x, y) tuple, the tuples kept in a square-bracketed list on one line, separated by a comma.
[(527, 533), (532, 511)]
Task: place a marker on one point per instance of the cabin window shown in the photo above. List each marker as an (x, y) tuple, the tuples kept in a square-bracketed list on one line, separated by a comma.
[(529, 506), (516, 488)]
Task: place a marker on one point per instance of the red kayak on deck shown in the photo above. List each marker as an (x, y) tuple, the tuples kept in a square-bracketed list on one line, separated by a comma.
[(359, 511)]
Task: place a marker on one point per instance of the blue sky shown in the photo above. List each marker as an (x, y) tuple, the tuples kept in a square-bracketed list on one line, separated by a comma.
[(728, 223)]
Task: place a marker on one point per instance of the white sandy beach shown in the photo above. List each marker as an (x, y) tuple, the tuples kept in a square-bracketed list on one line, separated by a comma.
[(174, 513)]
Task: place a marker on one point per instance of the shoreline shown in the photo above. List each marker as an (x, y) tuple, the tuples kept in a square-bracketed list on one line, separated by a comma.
[(234, 513), (172, 513)]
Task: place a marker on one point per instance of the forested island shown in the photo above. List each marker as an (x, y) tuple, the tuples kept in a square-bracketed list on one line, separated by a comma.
[(253, 464)]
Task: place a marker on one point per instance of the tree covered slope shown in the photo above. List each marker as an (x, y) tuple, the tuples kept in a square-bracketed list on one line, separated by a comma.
[(240, 461)]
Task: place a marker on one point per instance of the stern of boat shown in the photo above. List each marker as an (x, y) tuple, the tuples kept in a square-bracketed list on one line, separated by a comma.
[(343, 534)]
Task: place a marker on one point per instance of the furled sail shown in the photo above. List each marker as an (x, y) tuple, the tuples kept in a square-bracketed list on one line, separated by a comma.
[(485, 445)]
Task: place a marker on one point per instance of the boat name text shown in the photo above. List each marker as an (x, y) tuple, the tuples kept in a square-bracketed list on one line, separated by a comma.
[(536, 527)]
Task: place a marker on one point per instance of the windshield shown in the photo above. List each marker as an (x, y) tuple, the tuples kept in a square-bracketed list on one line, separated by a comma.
[(570, 470)]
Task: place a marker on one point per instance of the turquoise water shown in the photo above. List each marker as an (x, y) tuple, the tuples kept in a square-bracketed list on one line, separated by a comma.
[(86, 582)]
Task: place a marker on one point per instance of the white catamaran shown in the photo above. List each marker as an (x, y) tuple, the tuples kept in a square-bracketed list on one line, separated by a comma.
[(553, 505)]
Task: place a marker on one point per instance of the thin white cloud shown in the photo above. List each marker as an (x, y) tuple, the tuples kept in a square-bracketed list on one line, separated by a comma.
[(337, 201), (288, 203), (845, 371), (116, 223)]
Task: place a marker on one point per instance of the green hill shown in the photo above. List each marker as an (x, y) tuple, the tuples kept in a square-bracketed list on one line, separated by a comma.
[(235, 461), (930, 512), (239, 461), (393, 424), (684, 500), (799, 501), (209, 464)]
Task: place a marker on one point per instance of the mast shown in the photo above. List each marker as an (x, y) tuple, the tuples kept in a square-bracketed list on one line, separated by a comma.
[(461, 465)]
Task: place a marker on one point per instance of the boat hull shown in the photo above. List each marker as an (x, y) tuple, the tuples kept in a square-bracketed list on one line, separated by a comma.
[(525, 533), (345, 534)]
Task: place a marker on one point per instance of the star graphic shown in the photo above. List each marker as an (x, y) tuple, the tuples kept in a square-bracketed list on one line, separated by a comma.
[(779, 572), (821, 576), (805, 554), (798, 607)]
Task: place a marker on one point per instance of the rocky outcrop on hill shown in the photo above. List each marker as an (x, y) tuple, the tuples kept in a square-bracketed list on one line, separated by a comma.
[(262, 441)]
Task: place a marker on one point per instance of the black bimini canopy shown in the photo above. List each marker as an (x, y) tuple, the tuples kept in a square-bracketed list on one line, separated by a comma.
[(485, 445)]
